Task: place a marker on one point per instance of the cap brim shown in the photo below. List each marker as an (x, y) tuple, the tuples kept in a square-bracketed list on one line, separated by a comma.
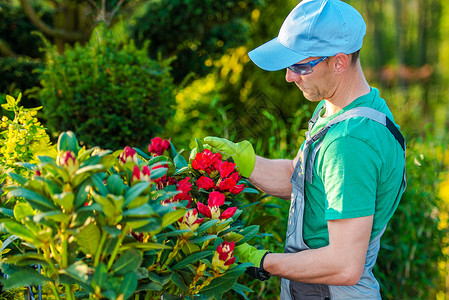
[(273, 56)]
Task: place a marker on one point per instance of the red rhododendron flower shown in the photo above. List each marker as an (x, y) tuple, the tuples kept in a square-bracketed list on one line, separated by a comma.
[(158, 146), (228, 213), (67, 159), (185, 187), (205, 183), (207, 161), (225, 252), (216, 199), (128, 154), (226, 168), (238, 189), (143, 174), (190, 220)]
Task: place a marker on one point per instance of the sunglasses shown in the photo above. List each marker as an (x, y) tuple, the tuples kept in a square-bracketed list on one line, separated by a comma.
[(305, 69)]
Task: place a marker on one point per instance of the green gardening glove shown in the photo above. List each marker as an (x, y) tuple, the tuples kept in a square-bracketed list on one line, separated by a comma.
[(248, 253), (242, 153)]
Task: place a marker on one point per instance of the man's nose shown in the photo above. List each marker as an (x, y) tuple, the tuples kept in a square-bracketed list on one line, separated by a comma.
[(291, 76)]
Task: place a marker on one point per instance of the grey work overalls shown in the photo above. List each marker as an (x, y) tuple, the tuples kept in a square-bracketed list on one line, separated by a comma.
[(368, 287)]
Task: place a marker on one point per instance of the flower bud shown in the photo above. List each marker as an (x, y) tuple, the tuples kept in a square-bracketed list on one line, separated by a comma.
[(128, 155)]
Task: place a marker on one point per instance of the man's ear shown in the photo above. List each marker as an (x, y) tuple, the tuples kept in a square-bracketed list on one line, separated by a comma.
[(341, 62)]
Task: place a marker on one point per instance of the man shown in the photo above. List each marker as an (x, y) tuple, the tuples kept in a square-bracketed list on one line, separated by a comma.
[(348, 176)]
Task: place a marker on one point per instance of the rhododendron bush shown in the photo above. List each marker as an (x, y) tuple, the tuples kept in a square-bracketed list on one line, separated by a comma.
[(106, 224)]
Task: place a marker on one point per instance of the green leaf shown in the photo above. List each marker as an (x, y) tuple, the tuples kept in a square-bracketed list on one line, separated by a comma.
[(192, 259), (100, 276), (219, 286), (180, 161), (6, 211), (107, 206), (65, 200), (152, 225), (83, 192), (135, 191), (190, 248), (22, 278), (162, 160), (224, 224), (177, 280), (138, 201), (240, 287), (89, 238), (202, 239), (18, 178), (115, 184), (250, 191), (165, 235), (144, 246), (57, 216), (36, 200), (129, 261), (139, 212), (158, 279), (158, 173), (98, 183), (90, 168), (26, 259), (199, 145), (206, 225), (21, 231), (172, 217), (128, 286), (248, 233), (141, 153)]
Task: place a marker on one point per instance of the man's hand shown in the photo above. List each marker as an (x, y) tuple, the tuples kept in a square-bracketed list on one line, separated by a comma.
[(248, 253), (242, 153)]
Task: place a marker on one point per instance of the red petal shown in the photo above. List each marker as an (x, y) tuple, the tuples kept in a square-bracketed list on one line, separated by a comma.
[(204, 210), (228, 213)]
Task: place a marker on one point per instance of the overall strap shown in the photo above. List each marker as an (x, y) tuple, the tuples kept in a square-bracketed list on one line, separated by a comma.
[(366, 112)]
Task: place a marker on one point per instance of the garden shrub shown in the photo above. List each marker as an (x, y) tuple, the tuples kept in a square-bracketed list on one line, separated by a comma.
[(109, 225), (414, 244), (18, 74), (22, 138), (108, 92)]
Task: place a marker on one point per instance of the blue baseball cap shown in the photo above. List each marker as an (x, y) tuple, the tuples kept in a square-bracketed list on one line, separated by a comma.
[(314, 28)]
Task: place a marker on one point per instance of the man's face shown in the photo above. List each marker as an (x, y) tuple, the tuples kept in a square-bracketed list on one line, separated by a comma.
[(315, 86)]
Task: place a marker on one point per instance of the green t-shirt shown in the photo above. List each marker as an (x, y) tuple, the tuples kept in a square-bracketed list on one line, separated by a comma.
[(357, 172)]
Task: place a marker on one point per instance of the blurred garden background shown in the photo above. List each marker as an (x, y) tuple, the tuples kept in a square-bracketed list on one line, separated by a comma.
[(120, 72)]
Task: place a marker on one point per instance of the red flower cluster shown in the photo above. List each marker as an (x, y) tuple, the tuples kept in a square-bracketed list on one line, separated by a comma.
[(228, 181), (212, 210), (207, 161), (184, 186), (158, 146)]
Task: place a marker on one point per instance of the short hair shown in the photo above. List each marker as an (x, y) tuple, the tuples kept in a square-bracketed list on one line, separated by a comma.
[(355, 57)]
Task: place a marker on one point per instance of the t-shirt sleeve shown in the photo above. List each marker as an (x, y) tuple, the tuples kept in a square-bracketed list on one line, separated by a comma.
[(350, 171)]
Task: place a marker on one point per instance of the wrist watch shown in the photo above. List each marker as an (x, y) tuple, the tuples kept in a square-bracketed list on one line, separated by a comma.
[(261, 273)]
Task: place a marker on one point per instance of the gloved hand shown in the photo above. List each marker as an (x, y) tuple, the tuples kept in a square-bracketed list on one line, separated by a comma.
[(242, 153), (248, 253)]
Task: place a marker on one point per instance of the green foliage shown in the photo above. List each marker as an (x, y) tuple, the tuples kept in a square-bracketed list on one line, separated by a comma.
[(116, 224), (413, 246), (194, 30), (108, 92), (16, 30), (18, 74)]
